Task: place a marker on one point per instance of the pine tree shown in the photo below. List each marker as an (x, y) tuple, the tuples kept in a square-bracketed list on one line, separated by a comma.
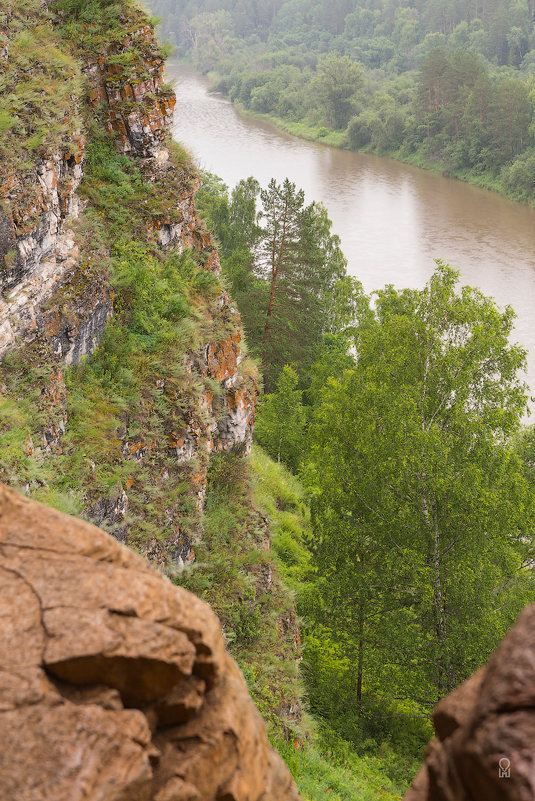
[(301, 261)]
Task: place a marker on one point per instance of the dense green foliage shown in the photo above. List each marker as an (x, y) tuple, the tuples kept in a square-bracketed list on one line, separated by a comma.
[(448, 85), (325, 764), (375, 32), (254, 590), (406, 542), (421, 490), (280, 426), (285, 269), (421, 508), (405, 430), (387, 746)]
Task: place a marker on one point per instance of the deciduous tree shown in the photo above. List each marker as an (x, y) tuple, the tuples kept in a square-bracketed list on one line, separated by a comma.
[(281, 419), (420, 504), (338, 79)]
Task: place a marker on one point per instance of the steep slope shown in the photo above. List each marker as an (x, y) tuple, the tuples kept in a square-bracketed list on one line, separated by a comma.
[(123, 369), (103, 253), (126, 396)]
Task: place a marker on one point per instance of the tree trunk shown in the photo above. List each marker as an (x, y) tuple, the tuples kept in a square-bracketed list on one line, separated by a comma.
[(438, 612), (267, 327), (276, 261), (360, 656), (444, 679)]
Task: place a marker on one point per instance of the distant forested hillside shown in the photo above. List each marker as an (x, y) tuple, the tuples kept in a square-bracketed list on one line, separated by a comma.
[(395, 34), (443, 84)]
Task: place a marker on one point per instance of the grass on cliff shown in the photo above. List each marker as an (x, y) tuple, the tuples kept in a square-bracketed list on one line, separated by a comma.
[(279, 496), (40, 87), (123, 401), (254, 588), (135, 390), (128, 398), (235, 573), (91, 24), (341, 775)]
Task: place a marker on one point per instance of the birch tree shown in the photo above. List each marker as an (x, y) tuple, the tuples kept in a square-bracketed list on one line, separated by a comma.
[(416, 484)]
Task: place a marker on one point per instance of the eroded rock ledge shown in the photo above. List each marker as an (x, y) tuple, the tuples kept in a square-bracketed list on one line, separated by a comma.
[(114, 684), (485, 744)]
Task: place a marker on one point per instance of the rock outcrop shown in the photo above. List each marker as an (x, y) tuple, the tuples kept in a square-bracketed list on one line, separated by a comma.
[(127, 79), (56, 296), (114, 684), (37, 250), (35, 208), (41, 166), (38, 255), (485, 744)]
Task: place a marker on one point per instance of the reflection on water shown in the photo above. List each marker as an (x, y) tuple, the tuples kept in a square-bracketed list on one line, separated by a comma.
[(393, 219)]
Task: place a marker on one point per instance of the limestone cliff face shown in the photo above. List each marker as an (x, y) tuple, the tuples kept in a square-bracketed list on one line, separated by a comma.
[(114, 684), (35, 209), (56, 298), (37, 251), (38, 182)]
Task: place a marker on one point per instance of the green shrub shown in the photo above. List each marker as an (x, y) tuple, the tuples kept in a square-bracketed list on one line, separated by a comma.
[(358, 132), (518, 178), (206, 282)]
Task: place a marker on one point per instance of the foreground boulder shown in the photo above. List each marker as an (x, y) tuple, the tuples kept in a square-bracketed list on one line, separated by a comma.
[(485, 744), (114, 684)]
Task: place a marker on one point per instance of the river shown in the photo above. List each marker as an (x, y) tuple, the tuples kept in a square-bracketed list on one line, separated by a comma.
[(393, 219)]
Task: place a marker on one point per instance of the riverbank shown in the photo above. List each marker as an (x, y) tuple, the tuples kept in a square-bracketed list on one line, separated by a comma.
[(418, 158), (393, 219), (480, 179), (339, 139)]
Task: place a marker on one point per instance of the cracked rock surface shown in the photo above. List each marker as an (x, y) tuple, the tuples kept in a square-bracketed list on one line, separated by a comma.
[(114, 684), (485, 744)]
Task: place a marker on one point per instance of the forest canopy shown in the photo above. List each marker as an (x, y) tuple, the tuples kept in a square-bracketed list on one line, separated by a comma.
[(401, 412)]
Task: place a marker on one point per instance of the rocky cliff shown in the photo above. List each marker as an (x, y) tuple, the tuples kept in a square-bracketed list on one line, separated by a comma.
[(73, 252), (124, 380), (484, 748), (114, 684)]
